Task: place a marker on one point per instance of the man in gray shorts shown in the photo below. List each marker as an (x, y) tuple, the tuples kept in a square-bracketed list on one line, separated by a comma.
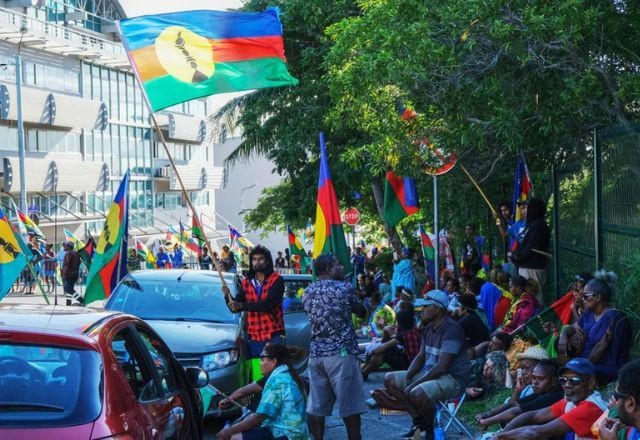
[(334, 373), (438, 372)]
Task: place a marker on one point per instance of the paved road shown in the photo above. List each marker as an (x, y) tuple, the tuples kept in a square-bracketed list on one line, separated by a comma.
[(374, 426)]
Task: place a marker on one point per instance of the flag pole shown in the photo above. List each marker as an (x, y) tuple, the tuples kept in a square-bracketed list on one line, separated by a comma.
[(184, 191), (166, 149), (484, 196), (436, 263)]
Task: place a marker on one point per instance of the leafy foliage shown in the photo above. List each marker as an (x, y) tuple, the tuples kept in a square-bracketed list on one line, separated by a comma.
[(486, 77)]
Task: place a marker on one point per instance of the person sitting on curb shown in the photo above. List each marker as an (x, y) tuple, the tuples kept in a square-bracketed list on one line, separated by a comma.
[(575, 413), (546, 392), (627, 406), (494, 377), (281, 412), (399, 351)]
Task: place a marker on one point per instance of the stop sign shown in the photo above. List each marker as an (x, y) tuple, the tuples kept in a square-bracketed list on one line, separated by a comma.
[(352, 216)]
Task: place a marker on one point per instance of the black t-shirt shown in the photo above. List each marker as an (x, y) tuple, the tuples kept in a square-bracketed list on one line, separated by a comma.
[(474, 329), (535, 401)]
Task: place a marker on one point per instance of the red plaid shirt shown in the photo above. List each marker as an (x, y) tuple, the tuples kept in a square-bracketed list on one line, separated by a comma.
[(261, 323), (410, 340)]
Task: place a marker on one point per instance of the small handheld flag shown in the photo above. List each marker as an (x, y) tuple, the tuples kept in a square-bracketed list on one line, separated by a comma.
[(522, 185)]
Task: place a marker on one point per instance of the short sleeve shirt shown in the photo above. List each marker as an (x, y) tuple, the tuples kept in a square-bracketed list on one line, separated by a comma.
[(448, 338), (284, 405), (582, 416), (328, 304)]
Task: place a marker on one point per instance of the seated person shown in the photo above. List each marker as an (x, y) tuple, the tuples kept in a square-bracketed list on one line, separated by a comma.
[(282, 409), (524, 304), (494, 376), (607, 329), (500, 341), (577, 308), (546, 392), (478, 354), (399, 350), (474, 329), (574, 414), (439, 371), (624, 417), (381, 317)]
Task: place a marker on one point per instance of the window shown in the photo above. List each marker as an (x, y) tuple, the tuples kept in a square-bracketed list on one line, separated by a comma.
[(132, 363), (168, 381)]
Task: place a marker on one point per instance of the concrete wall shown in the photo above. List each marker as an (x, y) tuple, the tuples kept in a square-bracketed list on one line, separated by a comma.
[(258, 171)]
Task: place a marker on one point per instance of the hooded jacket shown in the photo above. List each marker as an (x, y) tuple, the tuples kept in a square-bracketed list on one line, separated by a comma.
[(537, 235)]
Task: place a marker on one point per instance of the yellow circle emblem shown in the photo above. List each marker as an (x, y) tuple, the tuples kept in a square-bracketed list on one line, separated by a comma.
[(185, 55)]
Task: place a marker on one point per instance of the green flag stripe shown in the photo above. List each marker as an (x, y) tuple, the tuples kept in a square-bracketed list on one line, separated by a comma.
[(228, 77)]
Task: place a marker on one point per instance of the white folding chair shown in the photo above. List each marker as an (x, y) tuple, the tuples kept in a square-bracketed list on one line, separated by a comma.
[(451, 416)]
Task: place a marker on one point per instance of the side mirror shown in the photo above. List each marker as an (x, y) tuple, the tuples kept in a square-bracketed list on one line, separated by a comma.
[(198, 378)]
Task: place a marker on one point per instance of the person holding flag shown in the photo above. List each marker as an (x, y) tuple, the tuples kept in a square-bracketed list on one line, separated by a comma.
[(260, 295), (70, 274), (531, 256)]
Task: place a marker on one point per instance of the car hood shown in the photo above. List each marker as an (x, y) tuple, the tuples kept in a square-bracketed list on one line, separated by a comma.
[(196, 337)]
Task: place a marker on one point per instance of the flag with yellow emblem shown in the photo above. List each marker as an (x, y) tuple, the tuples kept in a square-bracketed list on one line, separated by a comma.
[(13, 255), (109, 262)]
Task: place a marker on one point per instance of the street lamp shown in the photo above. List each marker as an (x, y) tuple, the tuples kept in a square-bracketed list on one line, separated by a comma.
[(242, 201), (21, 146)]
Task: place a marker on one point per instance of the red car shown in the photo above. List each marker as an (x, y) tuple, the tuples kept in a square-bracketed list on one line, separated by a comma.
[(76, 373)]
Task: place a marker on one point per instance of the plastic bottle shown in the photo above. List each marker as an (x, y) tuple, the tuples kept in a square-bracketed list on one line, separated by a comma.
[(438, 430)]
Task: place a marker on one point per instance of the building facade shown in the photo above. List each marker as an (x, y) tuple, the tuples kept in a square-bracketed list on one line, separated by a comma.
[(85, 123)]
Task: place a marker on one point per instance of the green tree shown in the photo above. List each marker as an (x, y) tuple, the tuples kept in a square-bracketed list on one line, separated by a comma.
[(487, 78)]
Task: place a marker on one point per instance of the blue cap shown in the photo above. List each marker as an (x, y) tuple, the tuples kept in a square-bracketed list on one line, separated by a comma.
[(437, 298), (580, 366)]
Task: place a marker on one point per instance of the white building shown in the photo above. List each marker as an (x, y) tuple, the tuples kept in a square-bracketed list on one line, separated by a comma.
[(85, 124)]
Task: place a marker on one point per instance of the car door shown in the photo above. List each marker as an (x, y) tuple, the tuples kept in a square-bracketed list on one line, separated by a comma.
[(160, 412), (176, 398)]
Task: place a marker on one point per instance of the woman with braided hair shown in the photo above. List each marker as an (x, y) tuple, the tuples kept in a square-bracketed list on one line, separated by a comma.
[(607, 329), (281, 414)]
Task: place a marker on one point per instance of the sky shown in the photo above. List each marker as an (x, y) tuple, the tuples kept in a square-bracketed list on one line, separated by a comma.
[(141, 7)]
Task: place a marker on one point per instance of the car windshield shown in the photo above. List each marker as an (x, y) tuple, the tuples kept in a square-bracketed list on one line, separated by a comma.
[(45, 386), (169, 300), (296, 286)]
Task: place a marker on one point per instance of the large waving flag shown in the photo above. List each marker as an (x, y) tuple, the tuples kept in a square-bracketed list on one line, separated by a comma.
[(400, 198), (187, 55), (13, 255), (329, 235), (428, 251), (295, 248), (522, 185), (109, 263)]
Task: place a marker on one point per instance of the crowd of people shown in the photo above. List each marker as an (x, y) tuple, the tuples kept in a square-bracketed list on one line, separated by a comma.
[(470, 338)]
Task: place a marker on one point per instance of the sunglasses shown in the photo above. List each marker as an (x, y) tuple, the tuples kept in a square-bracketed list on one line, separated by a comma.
[(618, 396), (574, 380)]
